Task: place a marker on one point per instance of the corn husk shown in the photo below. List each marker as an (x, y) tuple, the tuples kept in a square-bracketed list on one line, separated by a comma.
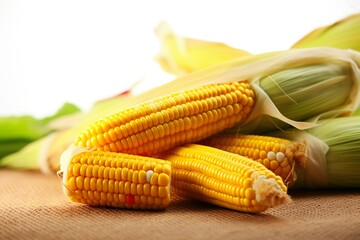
[(42, 152), (180, 55), (344, 34), (310, 92), (28, 157), (333, 154), (16, 132), (342, 135)]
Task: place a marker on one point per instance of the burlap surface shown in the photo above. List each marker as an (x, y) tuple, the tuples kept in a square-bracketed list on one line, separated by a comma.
[(33, 206)]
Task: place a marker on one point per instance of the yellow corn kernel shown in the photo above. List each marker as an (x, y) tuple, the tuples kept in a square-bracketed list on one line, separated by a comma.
[(125, 185), (277, 154), (225, 179), (162, 123)]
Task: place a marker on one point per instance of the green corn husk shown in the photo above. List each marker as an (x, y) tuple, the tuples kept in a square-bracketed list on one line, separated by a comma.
[(296, 91), (305, 92), (44, 153), (336, 145), (342, 135), (18, 131), (344, 34), (27, 157), (10, 146)]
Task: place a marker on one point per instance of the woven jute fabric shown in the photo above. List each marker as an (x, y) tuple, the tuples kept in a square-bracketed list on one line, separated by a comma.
[(33, 206)]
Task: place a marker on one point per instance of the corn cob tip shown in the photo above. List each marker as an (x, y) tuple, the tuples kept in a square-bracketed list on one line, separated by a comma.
[(301, 153), (65, 159), (67, 155), (268, 192)]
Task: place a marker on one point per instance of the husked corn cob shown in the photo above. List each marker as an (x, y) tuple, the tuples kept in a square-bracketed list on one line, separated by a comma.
[(224, 179), (276, 154), (115, 179), (171, 120)]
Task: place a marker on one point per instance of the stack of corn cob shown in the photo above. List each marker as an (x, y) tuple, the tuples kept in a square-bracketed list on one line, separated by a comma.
[(192, 139), (157, 128)]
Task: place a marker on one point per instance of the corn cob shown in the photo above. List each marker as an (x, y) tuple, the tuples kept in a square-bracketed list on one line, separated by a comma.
[(276, 154), (115, 179), (127, 181), (164, 122), (224, 179)]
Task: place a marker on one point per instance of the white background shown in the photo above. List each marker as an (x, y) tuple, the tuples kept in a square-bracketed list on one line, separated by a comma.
[(82, 51)]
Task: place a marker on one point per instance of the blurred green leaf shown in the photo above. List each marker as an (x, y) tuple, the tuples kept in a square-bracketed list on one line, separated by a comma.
[(18, 131)]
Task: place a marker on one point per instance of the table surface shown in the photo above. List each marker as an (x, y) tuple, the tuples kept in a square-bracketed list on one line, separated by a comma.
[(33, 206)]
